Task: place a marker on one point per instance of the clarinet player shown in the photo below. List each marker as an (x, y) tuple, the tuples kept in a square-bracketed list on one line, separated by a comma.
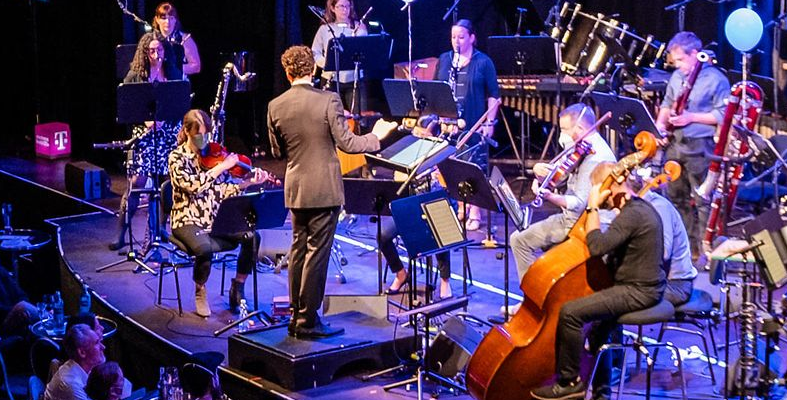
[(693, 130)]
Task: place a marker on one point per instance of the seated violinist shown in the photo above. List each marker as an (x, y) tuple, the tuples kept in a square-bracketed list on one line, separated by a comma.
[(575, 120), (197, 193), (635, 244)]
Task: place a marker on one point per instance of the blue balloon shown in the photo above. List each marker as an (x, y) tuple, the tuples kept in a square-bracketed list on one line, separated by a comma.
[(743, 29)]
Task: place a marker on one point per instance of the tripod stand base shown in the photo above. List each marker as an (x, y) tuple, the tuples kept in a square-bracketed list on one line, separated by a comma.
[(418, 379), (131, 256)]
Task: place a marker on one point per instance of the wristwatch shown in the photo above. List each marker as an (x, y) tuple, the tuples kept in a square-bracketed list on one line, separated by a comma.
[(589, 209)]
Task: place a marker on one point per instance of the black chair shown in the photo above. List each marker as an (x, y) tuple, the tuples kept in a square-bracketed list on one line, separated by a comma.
[(42, 352), (661, 312), (185, 259)]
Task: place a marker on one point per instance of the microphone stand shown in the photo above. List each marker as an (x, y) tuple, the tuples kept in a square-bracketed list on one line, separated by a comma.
[(337, 47), (452, 10)]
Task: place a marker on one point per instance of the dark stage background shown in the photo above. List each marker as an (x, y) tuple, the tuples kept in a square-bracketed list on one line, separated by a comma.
[(61, 57)]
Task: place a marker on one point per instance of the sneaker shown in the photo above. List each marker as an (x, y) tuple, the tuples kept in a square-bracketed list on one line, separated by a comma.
[(574, 390), (512, 309)]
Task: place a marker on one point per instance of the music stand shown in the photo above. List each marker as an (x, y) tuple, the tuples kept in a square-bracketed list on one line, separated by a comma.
[(431, 97), (629, 115), (356, 53), (520, 55), (466, 182), (250, 212), (124, 53), (412, 154), (136, 104), (371, 197)]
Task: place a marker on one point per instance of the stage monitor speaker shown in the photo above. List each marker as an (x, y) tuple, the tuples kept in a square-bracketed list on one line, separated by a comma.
[(86, 181), (452, 347)]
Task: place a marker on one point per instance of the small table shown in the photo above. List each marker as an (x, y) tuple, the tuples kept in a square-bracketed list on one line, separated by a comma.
[(19, 241), (39, 329)]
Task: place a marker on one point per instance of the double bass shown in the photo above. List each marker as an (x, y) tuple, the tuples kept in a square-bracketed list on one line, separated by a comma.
[(518, 356)]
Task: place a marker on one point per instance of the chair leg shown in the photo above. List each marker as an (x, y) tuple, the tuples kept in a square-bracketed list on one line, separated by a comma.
[(223, 273), (177, 288), (622, 379), (160, 282), (680, 369), (254, 281)]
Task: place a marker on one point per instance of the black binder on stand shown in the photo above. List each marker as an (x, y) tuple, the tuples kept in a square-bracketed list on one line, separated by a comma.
[(427, 225)]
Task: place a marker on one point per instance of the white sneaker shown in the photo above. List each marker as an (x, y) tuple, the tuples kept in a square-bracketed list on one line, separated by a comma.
[(512, 309)]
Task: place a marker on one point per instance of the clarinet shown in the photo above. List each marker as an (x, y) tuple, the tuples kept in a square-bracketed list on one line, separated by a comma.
[(217, 109), (743, 107)]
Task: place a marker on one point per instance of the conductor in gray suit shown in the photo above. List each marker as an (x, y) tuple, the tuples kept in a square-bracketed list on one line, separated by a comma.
[(305, 126)]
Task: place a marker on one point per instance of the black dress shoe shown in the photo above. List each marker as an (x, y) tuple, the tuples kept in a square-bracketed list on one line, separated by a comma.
[(319, 331)]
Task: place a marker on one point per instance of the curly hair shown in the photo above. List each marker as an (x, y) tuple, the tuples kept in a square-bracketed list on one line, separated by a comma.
[(298, 61), (191, 123), (140, 64)]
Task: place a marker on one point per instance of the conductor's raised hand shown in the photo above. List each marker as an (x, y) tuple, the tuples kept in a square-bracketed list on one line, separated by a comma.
[(382, 128)]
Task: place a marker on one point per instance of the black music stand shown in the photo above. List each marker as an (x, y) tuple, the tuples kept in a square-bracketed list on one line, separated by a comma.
[(521, 56), (466, 182), (137, 103), (629, 116), (249, 212), (370, 53), (423, 235), (431, 97), (371, 197)]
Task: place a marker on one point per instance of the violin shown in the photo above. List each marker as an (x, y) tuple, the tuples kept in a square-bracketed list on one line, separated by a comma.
[(214, 153), (519, 355)]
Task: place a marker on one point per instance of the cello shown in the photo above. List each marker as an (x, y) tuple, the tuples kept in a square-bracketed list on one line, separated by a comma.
[(518, 356)]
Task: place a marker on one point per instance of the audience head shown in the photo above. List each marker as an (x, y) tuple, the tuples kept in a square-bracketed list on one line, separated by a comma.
[(196, 129), (298, 62), (199, 377), (84, 346), (17, 322), (462, 36), (105, 382), (90, 319)]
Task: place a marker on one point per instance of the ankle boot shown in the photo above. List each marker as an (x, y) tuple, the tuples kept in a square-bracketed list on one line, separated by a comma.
[(201, 301), (236, 294)]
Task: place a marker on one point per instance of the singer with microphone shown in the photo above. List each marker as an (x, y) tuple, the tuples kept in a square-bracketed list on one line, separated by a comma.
[(149, 153), (473, 78), (338, 19)]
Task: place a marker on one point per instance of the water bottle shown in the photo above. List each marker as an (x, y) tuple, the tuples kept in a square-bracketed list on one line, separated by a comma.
[(84, 301), (163, 384), (59, 316), (244, 313)]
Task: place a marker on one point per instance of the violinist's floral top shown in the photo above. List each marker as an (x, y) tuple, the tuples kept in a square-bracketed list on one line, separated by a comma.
[(196, 194)]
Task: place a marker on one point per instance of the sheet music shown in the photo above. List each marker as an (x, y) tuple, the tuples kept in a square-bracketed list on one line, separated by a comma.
[(443, 222), (416, 151), (511, 204)]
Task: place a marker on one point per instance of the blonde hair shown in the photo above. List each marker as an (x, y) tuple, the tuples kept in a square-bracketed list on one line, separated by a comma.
[(191, 123)]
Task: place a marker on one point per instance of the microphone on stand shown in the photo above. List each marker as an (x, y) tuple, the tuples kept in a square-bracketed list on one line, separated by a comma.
[(592, 85), (366, 14)]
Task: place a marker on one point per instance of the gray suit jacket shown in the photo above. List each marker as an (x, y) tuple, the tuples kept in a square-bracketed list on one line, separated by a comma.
[(305, 125)]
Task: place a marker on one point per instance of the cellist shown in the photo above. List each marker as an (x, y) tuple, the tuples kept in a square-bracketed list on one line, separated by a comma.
[(634, 244), (574, 121)]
